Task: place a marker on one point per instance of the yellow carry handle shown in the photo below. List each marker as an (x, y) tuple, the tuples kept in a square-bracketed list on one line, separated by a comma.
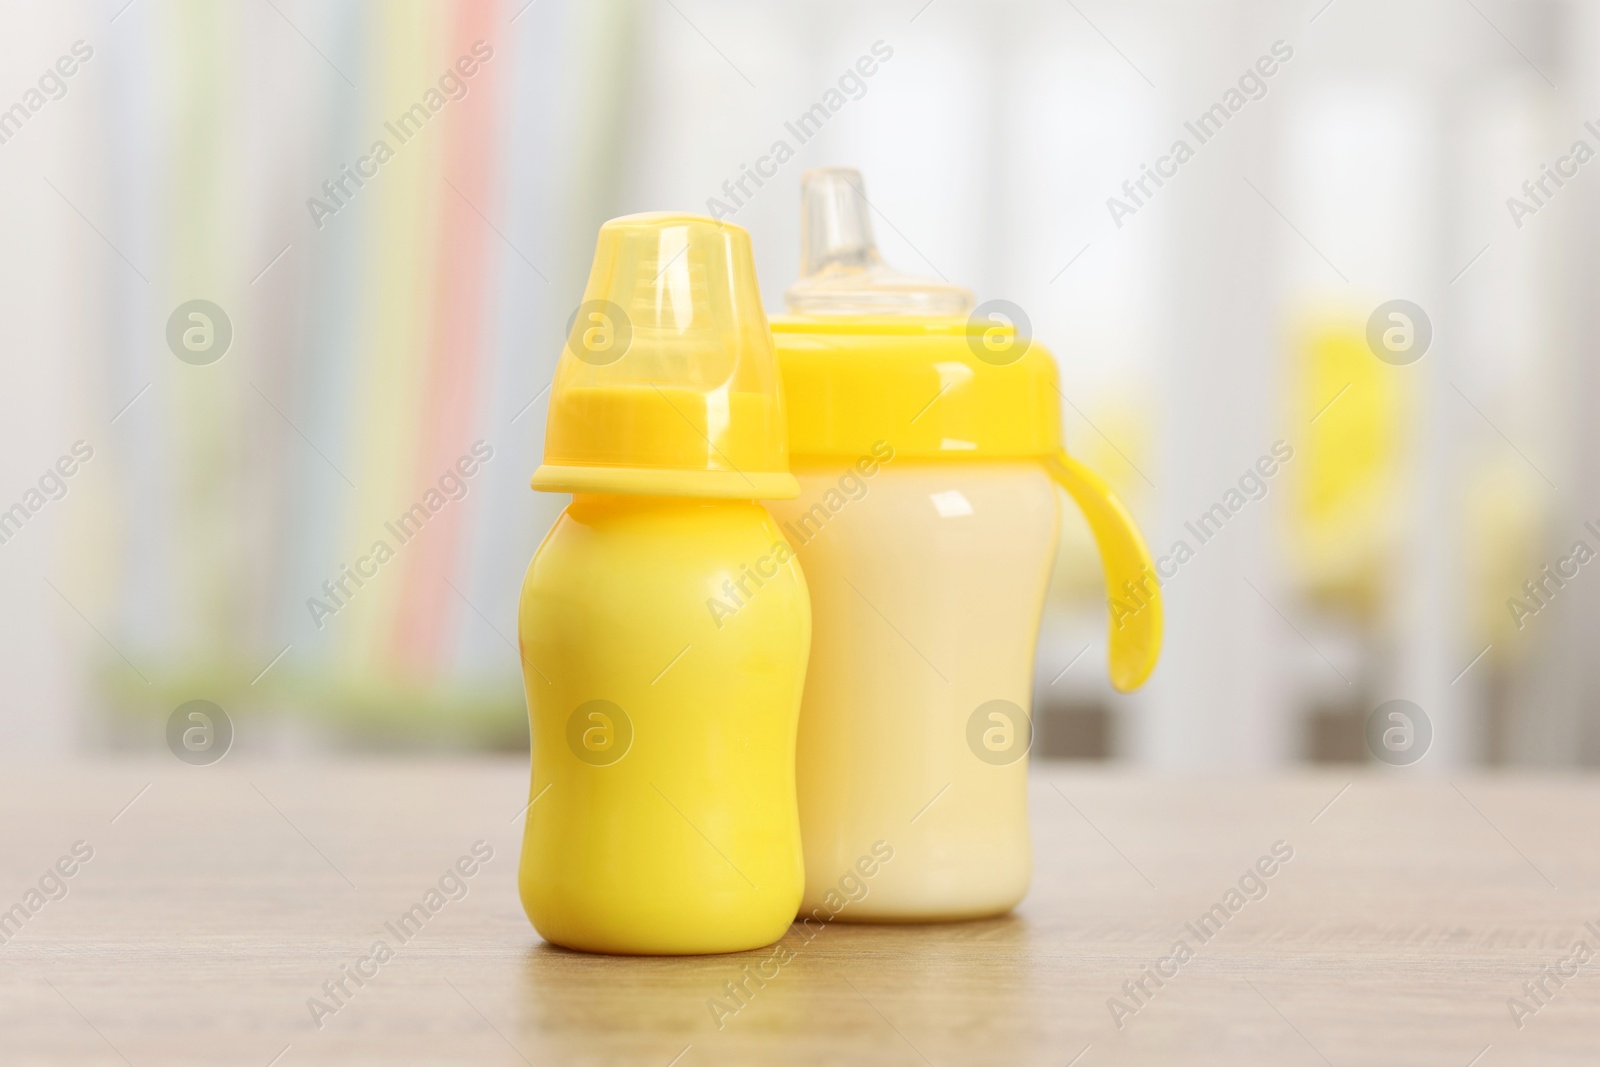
[(1135, 631)]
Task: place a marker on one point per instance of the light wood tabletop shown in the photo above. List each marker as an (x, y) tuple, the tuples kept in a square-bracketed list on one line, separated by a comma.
[(206, 907)]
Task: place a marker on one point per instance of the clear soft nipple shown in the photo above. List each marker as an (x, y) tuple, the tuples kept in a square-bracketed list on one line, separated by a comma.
[(841, 272)]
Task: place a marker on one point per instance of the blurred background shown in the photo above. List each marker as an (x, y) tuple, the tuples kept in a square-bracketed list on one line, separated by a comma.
[(182, 502)]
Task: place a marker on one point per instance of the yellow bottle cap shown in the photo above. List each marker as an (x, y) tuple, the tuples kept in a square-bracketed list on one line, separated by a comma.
[(668, 385)]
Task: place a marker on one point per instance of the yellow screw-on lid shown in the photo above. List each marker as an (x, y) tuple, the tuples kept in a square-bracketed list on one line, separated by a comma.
[(668, 385), (851, 380), (873, 355)]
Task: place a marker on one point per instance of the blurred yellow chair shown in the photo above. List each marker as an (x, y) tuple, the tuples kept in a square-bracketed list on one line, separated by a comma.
[(1349, 478), (1348, 430)]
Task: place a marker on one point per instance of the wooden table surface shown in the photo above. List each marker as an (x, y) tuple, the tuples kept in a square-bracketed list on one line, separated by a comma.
[(221, 898)]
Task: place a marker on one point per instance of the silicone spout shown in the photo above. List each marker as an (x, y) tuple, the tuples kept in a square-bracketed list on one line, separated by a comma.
[(841, 272), (835, 223), (1133, 595)]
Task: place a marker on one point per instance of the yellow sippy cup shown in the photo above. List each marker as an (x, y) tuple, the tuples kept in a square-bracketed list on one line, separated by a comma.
[(664, 622), (928, 453)]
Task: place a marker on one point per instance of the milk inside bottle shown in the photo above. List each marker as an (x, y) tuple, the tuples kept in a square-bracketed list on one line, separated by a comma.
[(928, 451)]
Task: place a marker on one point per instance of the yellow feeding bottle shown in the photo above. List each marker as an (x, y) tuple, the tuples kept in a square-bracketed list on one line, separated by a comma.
[(664, 622), (927, 443)]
